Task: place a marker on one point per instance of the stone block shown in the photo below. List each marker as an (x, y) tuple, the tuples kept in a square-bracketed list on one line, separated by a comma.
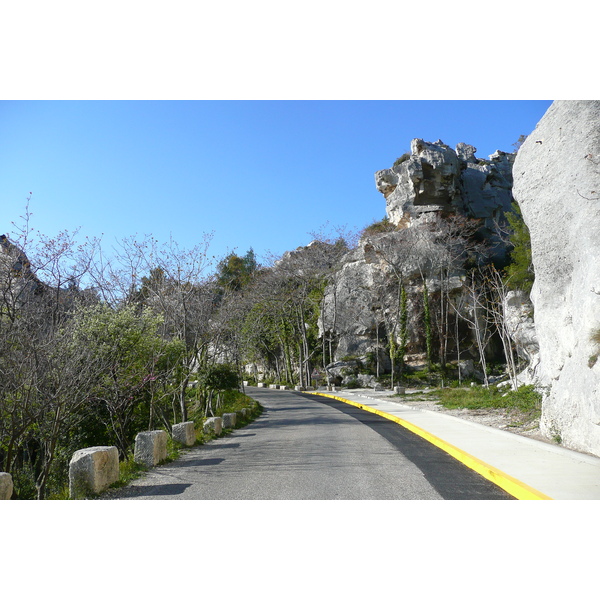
[(273, 386), (185, 433), (400, 390), (150, 447), (229, 420), (260, 385), (214, 424), (6, 486), (92, 470)]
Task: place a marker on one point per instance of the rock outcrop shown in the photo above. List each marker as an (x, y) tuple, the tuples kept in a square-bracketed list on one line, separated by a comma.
[(424, 190), (557, 185), (16, 273), (362, 304), (435, 178)]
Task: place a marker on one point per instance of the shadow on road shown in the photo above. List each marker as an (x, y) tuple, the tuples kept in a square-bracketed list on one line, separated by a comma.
[(201, 462), (168, 489)]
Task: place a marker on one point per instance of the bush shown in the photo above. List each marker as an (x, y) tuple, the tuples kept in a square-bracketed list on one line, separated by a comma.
[(401, 159), (519, 273), (377, 227)]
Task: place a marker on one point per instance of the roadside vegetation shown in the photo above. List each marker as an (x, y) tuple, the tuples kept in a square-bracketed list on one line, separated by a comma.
[(522, 406), (129, 470), (525, 399)]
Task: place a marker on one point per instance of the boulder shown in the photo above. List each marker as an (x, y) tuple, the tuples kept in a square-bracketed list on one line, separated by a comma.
[(6, 486), (150, 447), (92, 470), (213, 424), (184, 433), (466, 368), (557, 185)]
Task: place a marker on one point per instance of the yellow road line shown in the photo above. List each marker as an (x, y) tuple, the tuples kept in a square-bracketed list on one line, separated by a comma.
[(513, 486)]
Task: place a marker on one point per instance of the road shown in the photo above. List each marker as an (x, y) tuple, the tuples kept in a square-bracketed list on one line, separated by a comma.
[(312, 448)]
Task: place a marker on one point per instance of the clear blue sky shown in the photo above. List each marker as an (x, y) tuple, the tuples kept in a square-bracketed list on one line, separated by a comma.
[(259, 174)]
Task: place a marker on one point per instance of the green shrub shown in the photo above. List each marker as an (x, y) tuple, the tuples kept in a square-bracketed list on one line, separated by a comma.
[(377, 227), (401, 159), (519, 273)]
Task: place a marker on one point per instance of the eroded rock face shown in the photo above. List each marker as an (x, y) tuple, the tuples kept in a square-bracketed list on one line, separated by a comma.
[(435, 178), (361, 304), (16, 276), (518, 312), (557, 185)]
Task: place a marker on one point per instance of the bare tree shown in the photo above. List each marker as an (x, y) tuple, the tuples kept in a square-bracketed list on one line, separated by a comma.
[(475, 313), (497, 307)]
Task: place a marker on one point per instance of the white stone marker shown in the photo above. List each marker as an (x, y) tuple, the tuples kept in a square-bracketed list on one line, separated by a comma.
[(92, 470), (184, 433), (213, 424), (229, 420), (6, 486), (150, 447)]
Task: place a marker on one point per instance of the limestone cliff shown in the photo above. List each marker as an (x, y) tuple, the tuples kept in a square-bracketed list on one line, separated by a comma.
[(435, 178), (557, 185), (424, 190)]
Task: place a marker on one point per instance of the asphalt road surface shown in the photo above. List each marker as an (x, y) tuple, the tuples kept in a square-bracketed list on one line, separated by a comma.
[(306, 447)]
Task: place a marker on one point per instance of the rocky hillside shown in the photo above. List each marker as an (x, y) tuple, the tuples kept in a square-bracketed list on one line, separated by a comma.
[(444, 209)]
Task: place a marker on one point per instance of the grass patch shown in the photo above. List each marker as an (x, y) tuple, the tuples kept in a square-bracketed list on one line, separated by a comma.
[(128, 471), (525, 399)]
